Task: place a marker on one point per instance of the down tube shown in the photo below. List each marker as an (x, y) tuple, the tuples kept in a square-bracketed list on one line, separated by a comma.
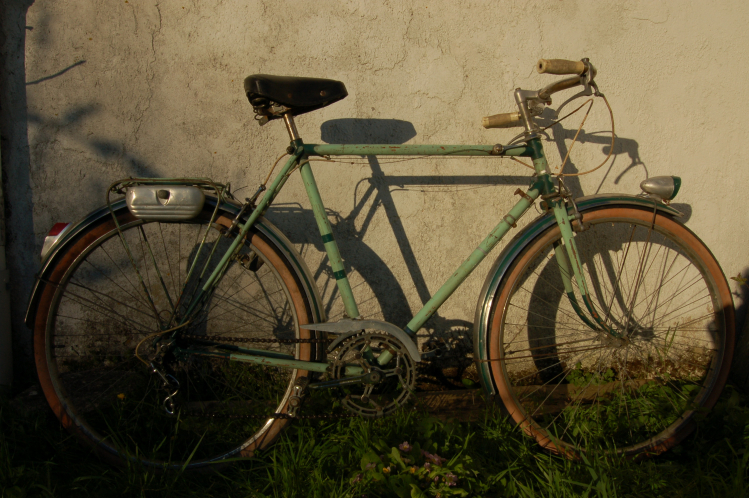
[(476, 257)]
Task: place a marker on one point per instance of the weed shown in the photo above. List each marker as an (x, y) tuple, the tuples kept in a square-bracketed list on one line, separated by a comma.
[(408, 454)]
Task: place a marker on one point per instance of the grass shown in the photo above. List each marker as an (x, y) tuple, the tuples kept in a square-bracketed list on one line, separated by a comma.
[(357, 457)]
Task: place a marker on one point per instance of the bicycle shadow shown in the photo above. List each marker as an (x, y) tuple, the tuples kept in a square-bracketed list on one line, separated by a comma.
[(667, 298), (380, 288), (624, 148), (385, 290)]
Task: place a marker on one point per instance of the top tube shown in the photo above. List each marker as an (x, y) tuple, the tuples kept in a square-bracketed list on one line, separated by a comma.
[(415, 150), (532, 149)]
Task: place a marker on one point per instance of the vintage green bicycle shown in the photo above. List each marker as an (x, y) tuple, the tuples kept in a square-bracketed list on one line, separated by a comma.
[(179, 327)]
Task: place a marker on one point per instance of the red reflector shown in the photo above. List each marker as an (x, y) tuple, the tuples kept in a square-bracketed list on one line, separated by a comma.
[(59, 227)]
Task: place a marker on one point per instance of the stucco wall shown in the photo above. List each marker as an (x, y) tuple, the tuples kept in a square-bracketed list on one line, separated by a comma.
[(130, 88)]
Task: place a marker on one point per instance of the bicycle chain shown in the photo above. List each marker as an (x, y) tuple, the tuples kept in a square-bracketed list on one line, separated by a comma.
[(283, 416)]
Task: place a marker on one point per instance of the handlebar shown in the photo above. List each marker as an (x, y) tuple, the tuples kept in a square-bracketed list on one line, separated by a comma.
[(533, 101), (546, 92)]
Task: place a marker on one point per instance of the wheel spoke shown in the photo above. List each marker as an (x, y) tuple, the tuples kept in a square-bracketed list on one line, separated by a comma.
[(104, 309), (579, 387)]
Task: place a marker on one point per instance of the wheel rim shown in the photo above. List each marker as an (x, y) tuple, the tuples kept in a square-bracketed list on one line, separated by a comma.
[(97, 318), (572, 388)]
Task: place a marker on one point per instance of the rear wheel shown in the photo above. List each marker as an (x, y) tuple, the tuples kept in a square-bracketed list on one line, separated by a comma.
[(102, 306), (652, 281)]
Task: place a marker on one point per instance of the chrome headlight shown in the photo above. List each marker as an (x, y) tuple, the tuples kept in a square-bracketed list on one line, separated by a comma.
[(662, 187)]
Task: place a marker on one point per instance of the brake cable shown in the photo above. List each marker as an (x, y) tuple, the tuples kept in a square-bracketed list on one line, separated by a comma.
[(613, 138)]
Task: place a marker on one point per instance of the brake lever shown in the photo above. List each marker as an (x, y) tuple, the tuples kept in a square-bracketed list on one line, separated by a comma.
[(589, 86)]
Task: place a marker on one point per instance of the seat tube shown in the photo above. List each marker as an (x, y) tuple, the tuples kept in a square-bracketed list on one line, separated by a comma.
[(331, 247)]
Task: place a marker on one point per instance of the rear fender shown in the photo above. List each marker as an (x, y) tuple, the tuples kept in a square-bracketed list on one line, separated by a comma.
[(277, 239)]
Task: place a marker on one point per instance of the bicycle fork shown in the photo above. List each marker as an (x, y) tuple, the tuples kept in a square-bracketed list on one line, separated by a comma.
[(570, 265), (568, 258)]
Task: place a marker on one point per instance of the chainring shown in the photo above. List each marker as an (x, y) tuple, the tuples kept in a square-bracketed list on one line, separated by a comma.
[(382, 388)]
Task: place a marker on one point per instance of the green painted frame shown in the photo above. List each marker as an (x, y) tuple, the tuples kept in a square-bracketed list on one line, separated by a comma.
[(541, 185)]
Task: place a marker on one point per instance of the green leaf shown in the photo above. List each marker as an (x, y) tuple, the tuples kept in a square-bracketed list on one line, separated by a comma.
[(741, 280), (416, 492), (395, 456), (381, 445), (369, 457), (401, 488)]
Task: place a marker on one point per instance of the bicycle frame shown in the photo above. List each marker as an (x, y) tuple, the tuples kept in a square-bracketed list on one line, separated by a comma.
[(541, 186), (209, 276)]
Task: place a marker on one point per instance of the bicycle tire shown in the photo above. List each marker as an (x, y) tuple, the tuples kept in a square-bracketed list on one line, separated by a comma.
[(651, 279), (94, 313)]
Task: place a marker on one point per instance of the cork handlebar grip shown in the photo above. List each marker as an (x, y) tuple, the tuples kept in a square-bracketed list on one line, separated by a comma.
[(560, 66), (504, 120)]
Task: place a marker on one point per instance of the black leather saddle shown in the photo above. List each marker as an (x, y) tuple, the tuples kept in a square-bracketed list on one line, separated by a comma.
[(273, 96)]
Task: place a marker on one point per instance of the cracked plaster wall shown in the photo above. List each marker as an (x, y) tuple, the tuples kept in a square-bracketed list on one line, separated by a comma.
[(132, 88)]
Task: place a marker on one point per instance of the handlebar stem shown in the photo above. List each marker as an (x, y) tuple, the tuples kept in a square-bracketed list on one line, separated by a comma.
[(521, 98)]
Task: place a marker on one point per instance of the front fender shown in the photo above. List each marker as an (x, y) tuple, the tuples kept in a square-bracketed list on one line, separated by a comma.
[(514, 248), (102, 214)]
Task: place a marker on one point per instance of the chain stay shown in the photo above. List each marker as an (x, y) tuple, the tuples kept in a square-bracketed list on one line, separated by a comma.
[(220, 338), (283, 416)]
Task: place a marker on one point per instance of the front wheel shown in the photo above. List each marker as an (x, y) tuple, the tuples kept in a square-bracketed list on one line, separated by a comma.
[(573, 386), (100, 330)]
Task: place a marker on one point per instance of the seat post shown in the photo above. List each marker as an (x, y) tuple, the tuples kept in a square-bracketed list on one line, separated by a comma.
[(290, 126)]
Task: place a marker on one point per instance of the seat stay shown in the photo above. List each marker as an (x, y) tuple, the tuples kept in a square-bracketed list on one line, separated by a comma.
[(262, 206)]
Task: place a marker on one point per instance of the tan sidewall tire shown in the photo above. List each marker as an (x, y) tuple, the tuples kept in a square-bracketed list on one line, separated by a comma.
[(249, 446), (670, 226)]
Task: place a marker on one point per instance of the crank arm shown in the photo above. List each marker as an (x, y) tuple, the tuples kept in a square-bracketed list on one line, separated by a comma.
[(348, 381), (434, 353), (442, 348)]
